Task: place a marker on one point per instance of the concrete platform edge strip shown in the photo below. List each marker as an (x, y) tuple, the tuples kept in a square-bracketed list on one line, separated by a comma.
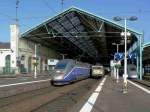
[(87, 107), (140, 87), (22, 83)]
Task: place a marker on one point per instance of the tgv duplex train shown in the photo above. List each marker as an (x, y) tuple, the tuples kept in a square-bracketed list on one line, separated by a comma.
[(68, 70)]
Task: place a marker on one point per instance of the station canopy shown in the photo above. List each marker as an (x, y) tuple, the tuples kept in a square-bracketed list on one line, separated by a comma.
[(80, 35), (146, 53)]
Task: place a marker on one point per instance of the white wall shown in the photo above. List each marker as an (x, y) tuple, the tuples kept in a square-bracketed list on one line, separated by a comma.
[(27, 48), (13, 50), (14, 36), (3, 54)]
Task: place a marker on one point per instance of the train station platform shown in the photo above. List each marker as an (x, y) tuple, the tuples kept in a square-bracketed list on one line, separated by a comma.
[(109, 97), (23, 84), (23, 78)]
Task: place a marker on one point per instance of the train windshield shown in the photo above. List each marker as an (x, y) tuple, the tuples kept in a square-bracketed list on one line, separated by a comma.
[(133, 69), (97, 67), (61, 66)]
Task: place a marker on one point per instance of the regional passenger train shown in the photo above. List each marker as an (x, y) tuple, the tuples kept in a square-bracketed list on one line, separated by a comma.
[(68, 70)]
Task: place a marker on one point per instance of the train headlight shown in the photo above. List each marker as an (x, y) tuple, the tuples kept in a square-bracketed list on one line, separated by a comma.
[(57, 71), (59, 77)]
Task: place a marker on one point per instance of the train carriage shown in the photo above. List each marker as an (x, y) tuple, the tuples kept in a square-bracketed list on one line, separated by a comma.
[(68, 70)]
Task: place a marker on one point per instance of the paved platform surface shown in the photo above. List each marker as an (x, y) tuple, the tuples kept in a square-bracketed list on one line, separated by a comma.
[(112, 99), (20, 79)]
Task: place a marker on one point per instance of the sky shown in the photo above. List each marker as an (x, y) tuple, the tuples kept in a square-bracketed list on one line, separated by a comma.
[(33, 12)]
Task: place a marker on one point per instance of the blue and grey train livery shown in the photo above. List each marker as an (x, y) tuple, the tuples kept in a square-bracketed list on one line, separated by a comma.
[(68, 70)]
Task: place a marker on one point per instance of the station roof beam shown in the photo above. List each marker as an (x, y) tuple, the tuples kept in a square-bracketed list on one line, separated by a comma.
[(80, 32)]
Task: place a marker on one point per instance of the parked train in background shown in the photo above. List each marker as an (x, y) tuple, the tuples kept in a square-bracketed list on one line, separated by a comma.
[(97, 71), (68, 70), (132, 71)]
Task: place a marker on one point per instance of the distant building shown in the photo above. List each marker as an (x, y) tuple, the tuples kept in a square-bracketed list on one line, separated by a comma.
[(4, 45)]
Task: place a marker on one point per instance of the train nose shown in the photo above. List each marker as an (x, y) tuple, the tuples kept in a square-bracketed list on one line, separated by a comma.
[(59, 77), (58, 71)]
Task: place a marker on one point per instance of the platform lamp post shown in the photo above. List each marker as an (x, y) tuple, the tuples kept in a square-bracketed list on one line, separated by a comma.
[(63, 56), (117, 70), (35, 59), (125, 34)]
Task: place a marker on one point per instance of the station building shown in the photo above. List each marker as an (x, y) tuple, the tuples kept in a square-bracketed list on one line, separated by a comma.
[(27, 52), (18, 56), (9, 52), (5, 54), (75, 33)]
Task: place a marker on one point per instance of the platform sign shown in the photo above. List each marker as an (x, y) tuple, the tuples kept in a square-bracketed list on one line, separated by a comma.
[(52, 62), (118, 56), (132, 56), (114, 63)]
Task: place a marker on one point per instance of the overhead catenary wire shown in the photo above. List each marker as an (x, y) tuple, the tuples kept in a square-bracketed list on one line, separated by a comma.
[(74, 33), (49, 6), (7, 16), (126, 12), (77, 33), (62, 5), (53, 10), (17, 6)]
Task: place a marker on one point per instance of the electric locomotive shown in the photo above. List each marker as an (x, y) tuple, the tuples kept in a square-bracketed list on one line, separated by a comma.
[(97, 71)]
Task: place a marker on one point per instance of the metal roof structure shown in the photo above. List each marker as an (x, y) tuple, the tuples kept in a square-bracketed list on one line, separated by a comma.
[(146, 51), (80, 34)]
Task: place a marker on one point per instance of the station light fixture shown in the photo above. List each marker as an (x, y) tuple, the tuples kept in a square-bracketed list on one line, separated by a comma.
[(125, 34), (117, 69), (118, 18)]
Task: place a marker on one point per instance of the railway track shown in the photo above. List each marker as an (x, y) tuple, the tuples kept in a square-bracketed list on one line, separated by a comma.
[(51, 99), (144, 83)]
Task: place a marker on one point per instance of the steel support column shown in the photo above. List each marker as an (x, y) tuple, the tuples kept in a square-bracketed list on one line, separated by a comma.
[(137, 60), (141, 59)]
